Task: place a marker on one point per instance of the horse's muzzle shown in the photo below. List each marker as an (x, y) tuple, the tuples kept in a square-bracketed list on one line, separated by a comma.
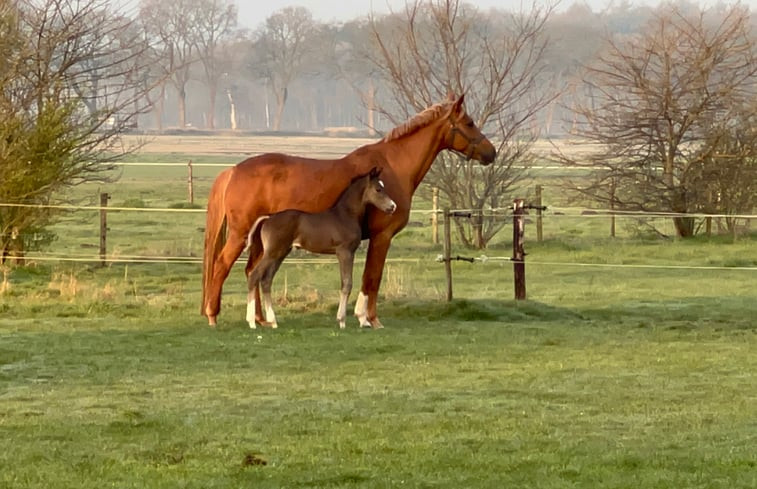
[(488, 154)]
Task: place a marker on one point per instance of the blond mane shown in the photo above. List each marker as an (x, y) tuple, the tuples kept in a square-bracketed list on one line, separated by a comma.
[(418, 121)]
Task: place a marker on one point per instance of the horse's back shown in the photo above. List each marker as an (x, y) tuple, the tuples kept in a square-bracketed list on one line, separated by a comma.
[(273, 182)]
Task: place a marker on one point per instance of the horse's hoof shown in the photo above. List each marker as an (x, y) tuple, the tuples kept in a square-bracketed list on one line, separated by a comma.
[(252, 325), (267, 324)]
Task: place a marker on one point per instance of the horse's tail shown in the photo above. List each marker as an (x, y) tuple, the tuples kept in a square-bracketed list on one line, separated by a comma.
[(253, 237), (215, 231)]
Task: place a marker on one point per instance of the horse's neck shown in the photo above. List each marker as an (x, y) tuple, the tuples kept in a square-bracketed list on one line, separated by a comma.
[(411, 156)]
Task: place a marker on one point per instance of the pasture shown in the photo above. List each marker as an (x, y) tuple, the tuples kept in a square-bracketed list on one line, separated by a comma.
[(612, 375)]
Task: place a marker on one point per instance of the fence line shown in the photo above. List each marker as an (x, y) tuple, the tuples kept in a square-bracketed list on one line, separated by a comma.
[(493, 212), (145, 163), (186, 259), (484, 259), (100, 208), (327, 261)]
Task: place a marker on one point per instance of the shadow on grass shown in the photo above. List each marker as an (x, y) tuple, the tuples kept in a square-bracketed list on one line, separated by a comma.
[(682, 313), (479, 310), (719, 312)]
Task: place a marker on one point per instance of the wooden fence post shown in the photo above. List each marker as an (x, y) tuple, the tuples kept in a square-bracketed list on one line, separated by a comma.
[(448, 253), (190, 183), (435, 215), (103, 226), (539, 234), (519, 256)]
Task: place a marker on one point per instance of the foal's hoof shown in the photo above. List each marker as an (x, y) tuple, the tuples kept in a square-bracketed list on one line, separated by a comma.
[(268, 324)]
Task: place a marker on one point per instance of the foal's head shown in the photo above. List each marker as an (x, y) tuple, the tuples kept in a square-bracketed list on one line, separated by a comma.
[(374, 192)]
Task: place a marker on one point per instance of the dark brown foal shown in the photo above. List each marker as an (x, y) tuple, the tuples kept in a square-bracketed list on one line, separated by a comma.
[(337, 230)]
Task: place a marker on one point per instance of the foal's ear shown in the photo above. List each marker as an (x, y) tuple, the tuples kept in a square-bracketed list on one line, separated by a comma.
[(375, 171)]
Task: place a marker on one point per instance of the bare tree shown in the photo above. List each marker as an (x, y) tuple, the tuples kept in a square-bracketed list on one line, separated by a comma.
[(662, 105), (214, 23), (284, 47), (438, 46), (725, 178), (171, 27), (358, 71), (68, 90)]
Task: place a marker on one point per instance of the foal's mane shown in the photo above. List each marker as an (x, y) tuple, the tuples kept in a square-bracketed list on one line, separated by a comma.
[(418, 121)]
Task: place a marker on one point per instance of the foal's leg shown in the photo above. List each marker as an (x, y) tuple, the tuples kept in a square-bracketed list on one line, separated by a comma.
[(252, 261), (346, 262), (253, 280), (265, 284)]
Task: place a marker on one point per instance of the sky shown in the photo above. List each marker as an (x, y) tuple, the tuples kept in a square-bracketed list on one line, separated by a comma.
[(254, 12), (251, 14)]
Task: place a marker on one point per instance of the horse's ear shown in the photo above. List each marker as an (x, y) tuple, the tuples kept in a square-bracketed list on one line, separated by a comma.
[(375, 171), (459, 103)]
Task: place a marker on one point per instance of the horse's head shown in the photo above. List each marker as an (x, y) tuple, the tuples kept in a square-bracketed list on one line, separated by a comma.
[(465, 137), (375, 193)]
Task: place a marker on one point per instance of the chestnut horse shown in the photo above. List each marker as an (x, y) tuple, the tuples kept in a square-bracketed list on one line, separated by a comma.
[(336, 231), (272, 182)]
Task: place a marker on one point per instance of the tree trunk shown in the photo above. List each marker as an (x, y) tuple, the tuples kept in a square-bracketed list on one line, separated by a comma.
[(233, 111), (182, 92), (370, 107), (160, 107), (212, 105), (478, 229), (684, 226), (281, 99)]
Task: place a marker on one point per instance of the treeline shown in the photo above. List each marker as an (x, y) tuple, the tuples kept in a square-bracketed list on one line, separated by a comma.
[(294, 73)]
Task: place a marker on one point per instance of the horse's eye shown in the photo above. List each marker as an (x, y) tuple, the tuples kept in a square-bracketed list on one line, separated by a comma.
[(470, 124)]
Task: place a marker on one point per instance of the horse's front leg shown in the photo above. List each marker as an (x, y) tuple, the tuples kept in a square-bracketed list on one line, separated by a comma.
[(229, 253), (365, 307), (346, 262)]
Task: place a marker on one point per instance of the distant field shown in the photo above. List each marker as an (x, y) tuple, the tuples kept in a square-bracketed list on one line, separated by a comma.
[(630, 365), (235, 146)]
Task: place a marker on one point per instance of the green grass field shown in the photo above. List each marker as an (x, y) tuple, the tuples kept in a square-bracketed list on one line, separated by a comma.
[(613, 375)]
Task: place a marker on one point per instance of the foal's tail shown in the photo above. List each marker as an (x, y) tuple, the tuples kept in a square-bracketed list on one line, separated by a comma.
[(215, 231), (253, 237)]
